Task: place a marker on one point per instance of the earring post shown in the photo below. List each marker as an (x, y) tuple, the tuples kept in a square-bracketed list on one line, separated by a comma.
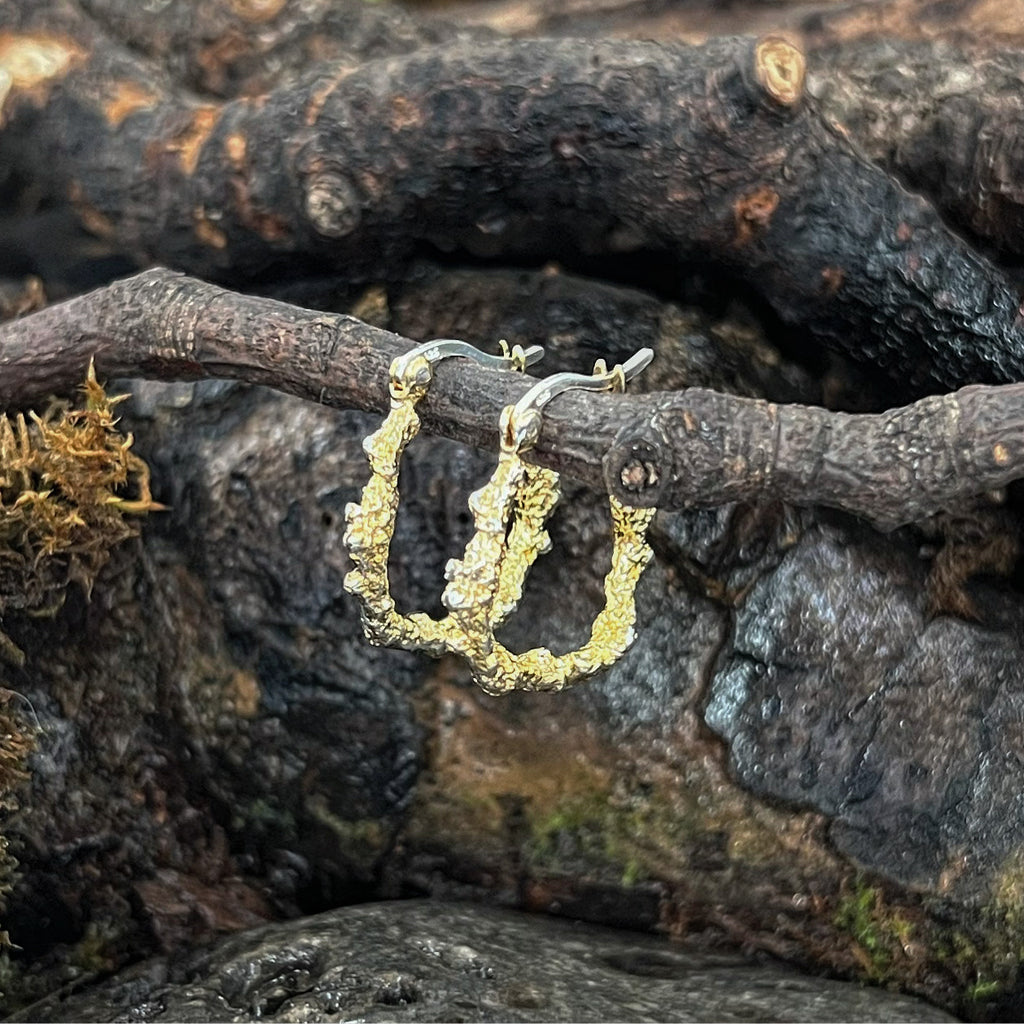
[(446, 348), (523, 421)]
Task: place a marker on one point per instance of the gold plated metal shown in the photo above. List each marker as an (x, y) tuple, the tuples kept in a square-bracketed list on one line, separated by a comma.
[(371, 522), (483, 587)]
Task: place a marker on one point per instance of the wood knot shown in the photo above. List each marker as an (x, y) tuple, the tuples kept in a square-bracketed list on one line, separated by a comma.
[(638, 475), (780, 69), (332, 204), (635, 472)]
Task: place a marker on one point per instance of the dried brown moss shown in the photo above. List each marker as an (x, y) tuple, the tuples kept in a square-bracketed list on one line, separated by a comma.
[(69, 485)]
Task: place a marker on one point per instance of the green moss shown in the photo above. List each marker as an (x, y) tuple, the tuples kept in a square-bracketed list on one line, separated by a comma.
[(95, 952), (986, 973), (881, 932), (987, 949), (631, 873), (17, 741), (18, 988), (98, 952), (628, 837), (634, 835), (260, 816), (592, 829), (983, 989), (360, 842), (1007, 909)]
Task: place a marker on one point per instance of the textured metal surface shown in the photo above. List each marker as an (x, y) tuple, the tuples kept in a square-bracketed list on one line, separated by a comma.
[(529, 494), (510, 511), (371, 526)]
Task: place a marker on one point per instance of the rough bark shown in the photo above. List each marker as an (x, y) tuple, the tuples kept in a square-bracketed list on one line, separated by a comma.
[(690, 449), (693, 21), (226, 48), (549, 149), (943, 117), (960, 20), (927, 89), (799, 754)]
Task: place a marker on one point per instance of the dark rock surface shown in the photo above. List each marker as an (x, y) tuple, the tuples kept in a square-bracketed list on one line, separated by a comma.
[(841, 692), (424, 961)]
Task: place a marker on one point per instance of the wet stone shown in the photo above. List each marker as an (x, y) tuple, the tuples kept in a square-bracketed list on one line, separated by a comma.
[(422, 961)]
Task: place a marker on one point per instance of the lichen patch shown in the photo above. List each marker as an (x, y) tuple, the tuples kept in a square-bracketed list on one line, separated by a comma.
[(188, 144), (125, 99), (753, 213)]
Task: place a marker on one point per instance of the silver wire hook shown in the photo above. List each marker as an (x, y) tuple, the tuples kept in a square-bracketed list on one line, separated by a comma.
[(520, 423), (444, 348)]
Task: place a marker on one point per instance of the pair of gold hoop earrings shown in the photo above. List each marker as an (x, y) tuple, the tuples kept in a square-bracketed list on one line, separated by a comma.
[(509, 511)]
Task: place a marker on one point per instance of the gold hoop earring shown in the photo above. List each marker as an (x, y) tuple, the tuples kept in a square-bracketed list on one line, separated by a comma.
[(370, 523), (474, 596)]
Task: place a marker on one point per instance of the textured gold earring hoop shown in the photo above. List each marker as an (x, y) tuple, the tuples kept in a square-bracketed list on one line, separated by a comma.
[(371, 523), (529, 494)]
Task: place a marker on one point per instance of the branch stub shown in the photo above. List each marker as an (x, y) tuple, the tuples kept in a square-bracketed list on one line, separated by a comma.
[(780, 69), (636, 472)]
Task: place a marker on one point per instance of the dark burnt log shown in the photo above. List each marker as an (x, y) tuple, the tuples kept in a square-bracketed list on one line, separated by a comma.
[(227, 48), (956, 20), (944, 118), (528, 150), (688, 449), (694, 20)]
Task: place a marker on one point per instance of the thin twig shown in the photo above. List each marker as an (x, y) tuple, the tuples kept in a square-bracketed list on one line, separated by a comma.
[(684, 449)]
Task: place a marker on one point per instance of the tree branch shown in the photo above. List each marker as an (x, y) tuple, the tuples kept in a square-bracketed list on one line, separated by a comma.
[(685, 449), (944, 118), (528, 150), (228, 48)]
